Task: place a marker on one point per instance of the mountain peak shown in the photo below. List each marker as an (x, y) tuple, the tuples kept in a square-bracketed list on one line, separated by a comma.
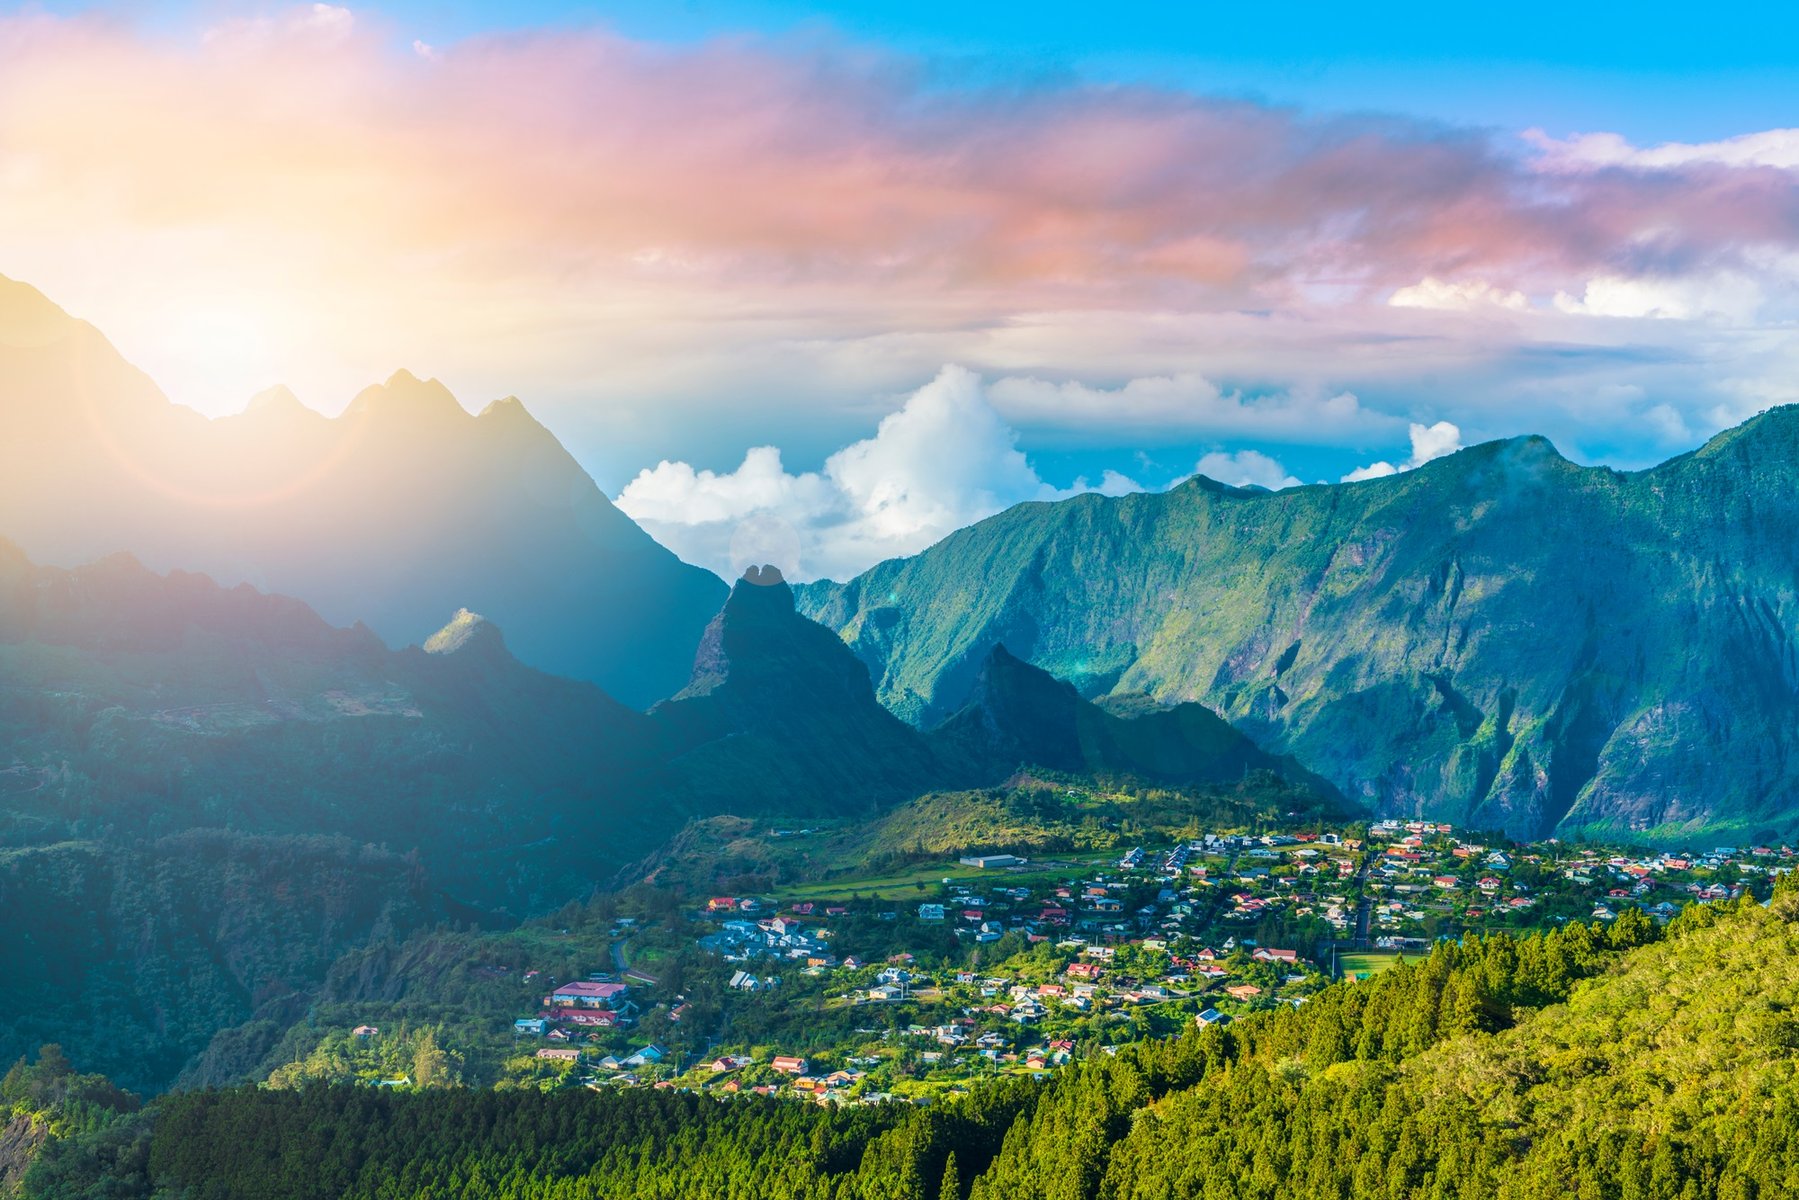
[(276, 401), (762, 591), (509, 410), (467, 632), (27, 316), (406, 395), (767, 575)]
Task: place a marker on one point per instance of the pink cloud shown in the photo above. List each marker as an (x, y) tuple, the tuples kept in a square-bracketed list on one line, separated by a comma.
[(513, 211), (782, 164)]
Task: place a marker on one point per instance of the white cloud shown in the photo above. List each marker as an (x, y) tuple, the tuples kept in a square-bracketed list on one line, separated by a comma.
[(1246, 468), (1777, 148), (1669, 425), (1724, 294), (1188, 403), (426, 51), (1428, 442), (946, 459), (330, 23), (1465, 296)]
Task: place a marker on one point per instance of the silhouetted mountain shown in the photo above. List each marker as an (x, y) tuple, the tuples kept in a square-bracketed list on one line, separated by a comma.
[(778, 713), (389, 514)]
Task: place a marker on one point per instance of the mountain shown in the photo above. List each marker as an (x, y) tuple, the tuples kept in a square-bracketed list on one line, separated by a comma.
[(1500, 638), (139, 705), (778, 714), (1021, 715), (388, 514)]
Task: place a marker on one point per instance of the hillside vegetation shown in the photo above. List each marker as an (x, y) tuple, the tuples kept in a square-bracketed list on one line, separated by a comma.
[(1500, 638), (1608, 1061)]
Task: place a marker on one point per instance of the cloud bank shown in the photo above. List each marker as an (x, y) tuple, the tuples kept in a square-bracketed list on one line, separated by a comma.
[(944, 460), (1428, 442)]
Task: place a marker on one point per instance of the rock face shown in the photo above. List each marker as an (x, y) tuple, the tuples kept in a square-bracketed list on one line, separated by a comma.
[(1498, 638), (779, 714), (390, 514)]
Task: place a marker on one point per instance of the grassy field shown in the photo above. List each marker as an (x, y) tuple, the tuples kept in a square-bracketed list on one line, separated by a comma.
[(1364, 964), (904, 883)]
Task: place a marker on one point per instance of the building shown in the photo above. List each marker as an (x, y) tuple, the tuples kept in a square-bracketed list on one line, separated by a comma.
[(930, 912), (991, 861), (789, 1064), (586, 994)]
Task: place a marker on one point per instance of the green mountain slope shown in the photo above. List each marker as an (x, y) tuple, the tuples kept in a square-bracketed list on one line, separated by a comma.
[(1500, 638), (134, 955), (781, 717), (1022, 716), (389, 514)]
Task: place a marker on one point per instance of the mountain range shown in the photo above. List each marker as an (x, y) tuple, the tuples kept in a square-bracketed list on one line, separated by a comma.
[(391, 513), (1500, 638), (209, 794)]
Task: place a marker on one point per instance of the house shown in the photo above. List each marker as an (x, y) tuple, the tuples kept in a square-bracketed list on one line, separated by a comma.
[(991, 861), (586, 993), (930, 912), (1243, 991), (1268, 954), (1209, 1018), (559, 1053), (886, 991), (1084, 970), (531, 1025), (729, 1062), (646, 1056), (789, 1064), (721, 904), (365, 1032)]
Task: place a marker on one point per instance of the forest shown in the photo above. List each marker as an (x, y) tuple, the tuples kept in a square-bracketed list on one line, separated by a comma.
[(1625, 1060)]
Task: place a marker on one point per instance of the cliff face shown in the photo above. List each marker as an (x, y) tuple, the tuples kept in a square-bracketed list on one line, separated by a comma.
[(1499, 638)]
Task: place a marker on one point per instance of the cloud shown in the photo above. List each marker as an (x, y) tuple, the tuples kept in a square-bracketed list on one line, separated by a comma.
[(1245, 468), (681, 250), (1428, 442), (1431, 292), (1186, 405), (1728, 295), (1776, 148), (944, 460)]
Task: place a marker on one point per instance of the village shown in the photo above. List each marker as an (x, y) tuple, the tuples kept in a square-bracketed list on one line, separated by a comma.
[(1005, 965)]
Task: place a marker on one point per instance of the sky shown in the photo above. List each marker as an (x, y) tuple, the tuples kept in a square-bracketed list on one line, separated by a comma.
[(821, 283)]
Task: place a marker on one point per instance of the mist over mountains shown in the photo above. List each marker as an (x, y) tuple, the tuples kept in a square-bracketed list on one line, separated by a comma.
[(392, 514)]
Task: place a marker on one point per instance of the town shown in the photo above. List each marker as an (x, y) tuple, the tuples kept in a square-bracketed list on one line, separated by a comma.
[(999, 963)]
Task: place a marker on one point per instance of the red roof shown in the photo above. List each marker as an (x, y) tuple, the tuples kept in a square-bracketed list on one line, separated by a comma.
[(588, 990)]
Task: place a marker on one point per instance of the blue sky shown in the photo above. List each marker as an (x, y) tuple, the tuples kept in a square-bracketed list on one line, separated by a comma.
[(1652, 71), (759, 261)]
